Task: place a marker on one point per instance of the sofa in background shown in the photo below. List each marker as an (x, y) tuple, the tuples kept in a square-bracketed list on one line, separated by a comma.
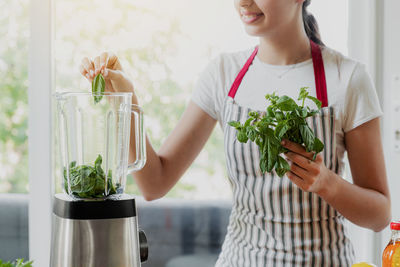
[(13, 226), (180, 233)]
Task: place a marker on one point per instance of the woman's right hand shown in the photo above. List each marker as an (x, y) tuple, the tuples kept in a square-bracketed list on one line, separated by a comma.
[(110, 67)]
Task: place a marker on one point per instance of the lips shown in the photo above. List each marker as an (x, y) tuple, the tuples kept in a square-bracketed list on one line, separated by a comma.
[(250, 17)]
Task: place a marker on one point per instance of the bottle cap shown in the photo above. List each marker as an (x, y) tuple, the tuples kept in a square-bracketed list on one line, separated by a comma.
[(395, 225), (363, 264)]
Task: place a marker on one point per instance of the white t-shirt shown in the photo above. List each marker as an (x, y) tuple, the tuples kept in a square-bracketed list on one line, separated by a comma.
[(350, 88)]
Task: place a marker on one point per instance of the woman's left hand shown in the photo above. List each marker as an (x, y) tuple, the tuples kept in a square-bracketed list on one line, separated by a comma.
[(309, 175)]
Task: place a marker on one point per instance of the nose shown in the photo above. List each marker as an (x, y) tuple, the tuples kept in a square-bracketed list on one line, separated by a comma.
[(245, 3)]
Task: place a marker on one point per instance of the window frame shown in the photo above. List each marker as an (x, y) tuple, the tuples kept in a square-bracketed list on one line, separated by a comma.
[(41, 81)]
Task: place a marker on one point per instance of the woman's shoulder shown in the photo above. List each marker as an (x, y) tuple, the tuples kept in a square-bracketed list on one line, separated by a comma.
[(343, 72), (224, 67), (215, 80), (237, 57), (350, 88), (341, 65), (230, 61)]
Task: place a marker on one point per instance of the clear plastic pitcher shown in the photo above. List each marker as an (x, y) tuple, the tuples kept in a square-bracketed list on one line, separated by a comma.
[(98, 135)]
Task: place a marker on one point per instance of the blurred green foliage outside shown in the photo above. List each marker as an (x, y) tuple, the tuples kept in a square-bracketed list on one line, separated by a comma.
[(147, 42)]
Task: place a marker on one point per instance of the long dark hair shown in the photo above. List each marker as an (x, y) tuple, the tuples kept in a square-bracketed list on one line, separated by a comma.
[(310, 25)]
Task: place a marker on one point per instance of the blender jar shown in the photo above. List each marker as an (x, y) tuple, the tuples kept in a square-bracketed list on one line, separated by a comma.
[(97, 136)]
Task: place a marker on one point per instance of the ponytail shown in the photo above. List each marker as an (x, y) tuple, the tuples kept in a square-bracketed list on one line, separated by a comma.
[(310, 25)]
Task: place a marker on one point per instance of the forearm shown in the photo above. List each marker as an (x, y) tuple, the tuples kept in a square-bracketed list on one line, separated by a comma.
[(362, 206), (150, 179), (164, 168)]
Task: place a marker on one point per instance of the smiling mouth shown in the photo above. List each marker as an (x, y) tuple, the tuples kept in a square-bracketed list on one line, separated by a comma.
[(250, 18)]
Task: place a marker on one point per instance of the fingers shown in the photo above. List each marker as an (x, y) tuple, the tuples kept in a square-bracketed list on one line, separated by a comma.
[(112, 74), (103, 63), (297, 148), (302, 161), (300, 172), (87, 68), (87, 64), (83, 71), (299, 159), (113, 62), (296, 179), (319, 159), (96, 65)]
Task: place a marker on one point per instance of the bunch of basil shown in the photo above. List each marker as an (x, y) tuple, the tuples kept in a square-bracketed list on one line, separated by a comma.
[(283, 119), (87, 181)]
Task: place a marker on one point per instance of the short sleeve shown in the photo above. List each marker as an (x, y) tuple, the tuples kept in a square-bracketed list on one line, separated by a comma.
[(205, 93), (361, 100)]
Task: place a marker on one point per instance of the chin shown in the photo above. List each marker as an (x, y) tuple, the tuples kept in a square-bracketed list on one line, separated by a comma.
[(255, 32)]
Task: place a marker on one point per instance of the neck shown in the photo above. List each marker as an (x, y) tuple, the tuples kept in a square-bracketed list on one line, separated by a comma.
[(278, 49)]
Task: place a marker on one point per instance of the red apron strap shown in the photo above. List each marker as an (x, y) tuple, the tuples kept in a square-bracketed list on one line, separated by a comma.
[(239, 77), (319, 74)]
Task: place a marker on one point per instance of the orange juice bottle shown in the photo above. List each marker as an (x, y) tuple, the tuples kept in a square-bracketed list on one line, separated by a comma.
[(391, 254)]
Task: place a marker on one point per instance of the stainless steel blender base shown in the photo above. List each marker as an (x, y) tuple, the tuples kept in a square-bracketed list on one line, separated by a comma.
[(95, 243)]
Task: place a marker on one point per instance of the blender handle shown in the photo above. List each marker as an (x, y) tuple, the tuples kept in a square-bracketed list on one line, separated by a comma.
[(140, 140)]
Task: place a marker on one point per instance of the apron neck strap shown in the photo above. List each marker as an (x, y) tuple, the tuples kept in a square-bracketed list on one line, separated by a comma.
[(319, 74), (239, 78)]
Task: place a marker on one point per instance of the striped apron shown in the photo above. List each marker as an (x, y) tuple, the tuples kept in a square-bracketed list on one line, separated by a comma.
[(273, 222)]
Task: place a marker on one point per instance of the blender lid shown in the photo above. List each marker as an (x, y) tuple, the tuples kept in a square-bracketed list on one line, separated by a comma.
[(116, 206)]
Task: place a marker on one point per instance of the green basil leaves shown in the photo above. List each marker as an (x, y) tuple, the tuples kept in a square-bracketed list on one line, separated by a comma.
[(283, 119), (98, 86), (16, 263), (89, 182)]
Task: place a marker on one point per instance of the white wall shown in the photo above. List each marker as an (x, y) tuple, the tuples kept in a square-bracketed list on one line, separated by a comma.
[(362, 47), (391, 99)]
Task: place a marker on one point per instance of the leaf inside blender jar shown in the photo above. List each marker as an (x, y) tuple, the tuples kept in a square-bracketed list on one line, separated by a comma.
[(87, 181)]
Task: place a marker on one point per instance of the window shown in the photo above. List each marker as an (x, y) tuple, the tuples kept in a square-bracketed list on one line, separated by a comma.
[(155, 48), (162, 50), (156, 43), (163, 45), (14, 30)]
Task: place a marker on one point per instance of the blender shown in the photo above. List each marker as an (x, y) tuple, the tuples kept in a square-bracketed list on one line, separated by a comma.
[(94, 223)]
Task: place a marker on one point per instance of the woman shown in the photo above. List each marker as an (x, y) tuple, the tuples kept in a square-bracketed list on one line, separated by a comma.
[(296, 220)]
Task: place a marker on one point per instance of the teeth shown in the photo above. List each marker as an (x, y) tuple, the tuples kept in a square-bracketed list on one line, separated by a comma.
[(249, 16)]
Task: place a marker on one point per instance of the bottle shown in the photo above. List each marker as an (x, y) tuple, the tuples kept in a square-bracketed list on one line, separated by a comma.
[(391, 254)]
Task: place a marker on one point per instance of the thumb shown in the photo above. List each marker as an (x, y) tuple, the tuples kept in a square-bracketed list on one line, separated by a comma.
[(112, 74)]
